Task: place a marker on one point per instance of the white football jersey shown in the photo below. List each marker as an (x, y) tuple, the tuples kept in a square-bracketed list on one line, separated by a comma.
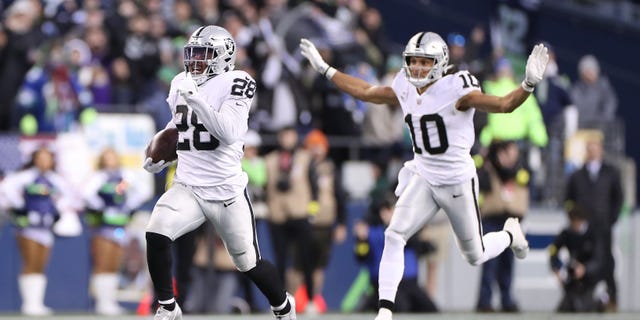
[(442, 135), (206, 164)]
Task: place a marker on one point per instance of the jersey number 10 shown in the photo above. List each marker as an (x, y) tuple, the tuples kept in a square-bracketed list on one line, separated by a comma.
[(439, 125)]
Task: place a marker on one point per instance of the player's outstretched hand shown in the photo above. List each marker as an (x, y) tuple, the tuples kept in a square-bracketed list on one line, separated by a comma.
[(187, 87), (536, 63), (156, 167), (310, 52)]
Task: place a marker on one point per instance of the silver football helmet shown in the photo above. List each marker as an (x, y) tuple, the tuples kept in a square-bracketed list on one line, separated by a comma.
[(210, 51), (428, 45)]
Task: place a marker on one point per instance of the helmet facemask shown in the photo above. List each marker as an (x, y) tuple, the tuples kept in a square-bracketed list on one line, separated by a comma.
[(209, 52), (427, 45)]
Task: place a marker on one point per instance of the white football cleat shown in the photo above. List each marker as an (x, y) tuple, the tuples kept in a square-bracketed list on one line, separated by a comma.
[(384, 314), (164, 314), (519, 243), (291, 315)]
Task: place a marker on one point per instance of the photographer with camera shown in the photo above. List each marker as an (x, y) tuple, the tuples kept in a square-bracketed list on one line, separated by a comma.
[(583, 270)]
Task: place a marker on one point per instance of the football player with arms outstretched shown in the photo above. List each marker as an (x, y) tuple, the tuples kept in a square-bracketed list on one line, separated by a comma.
[(210, 105), (438, 110)]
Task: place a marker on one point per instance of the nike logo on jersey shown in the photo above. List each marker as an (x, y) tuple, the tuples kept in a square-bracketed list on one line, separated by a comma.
[(226, 204), (457, 195)]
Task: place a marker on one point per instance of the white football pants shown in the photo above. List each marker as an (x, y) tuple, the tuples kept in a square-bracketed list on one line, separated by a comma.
[(179, 211), (417, 204)]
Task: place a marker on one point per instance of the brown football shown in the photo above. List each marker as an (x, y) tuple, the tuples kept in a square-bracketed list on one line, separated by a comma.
[(163, 145)]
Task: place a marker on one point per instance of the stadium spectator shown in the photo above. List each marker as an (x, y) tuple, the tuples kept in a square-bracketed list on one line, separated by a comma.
[(560, 118), (525, 125), (54, 93), (372, 38), (382, 131), (597, 188), (554, 99), (290, 206), (503, 187), (20, 36), (327, 215), (328, 108), (593, 95), (255, 167), (142, 55)]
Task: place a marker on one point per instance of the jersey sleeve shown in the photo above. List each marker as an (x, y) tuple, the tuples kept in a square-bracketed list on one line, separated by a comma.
[(172, 96), (227, 120), (464, 83), (397, 83)]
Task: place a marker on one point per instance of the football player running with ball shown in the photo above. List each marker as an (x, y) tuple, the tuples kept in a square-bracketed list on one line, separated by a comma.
[(438, 110), (210, 105)]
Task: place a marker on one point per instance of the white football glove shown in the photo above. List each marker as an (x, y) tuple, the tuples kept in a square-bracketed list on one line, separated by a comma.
[(156, 167), (310, 52), (536, 63), (187, 87)]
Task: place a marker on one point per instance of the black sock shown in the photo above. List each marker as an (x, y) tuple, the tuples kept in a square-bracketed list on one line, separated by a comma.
[(284, 310), (159, 261), (386, 304), (266, 278)]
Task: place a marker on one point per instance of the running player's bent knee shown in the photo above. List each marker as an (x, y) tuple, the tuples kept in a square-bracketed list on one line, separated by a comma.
[(244, 261), (392, 236), (473, 257)]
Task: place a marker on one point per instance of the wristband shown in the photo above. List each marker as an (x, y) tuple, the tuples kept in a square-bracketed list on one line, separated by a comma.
[(526, 86), (330, 72)]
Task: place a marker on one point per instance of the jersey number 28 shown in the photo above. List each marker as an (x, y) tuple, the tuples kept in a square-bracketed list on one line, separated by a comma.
[(198, 129)]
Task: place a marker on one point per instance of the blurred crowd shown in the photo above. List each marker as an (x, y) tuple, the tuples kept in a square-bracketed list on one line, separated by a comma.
[(63, 61)]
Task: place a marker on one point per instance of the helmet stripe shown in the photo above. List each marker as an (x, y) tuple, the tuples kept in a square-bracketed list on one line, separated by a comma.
[(419, 39), (198, 32)]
